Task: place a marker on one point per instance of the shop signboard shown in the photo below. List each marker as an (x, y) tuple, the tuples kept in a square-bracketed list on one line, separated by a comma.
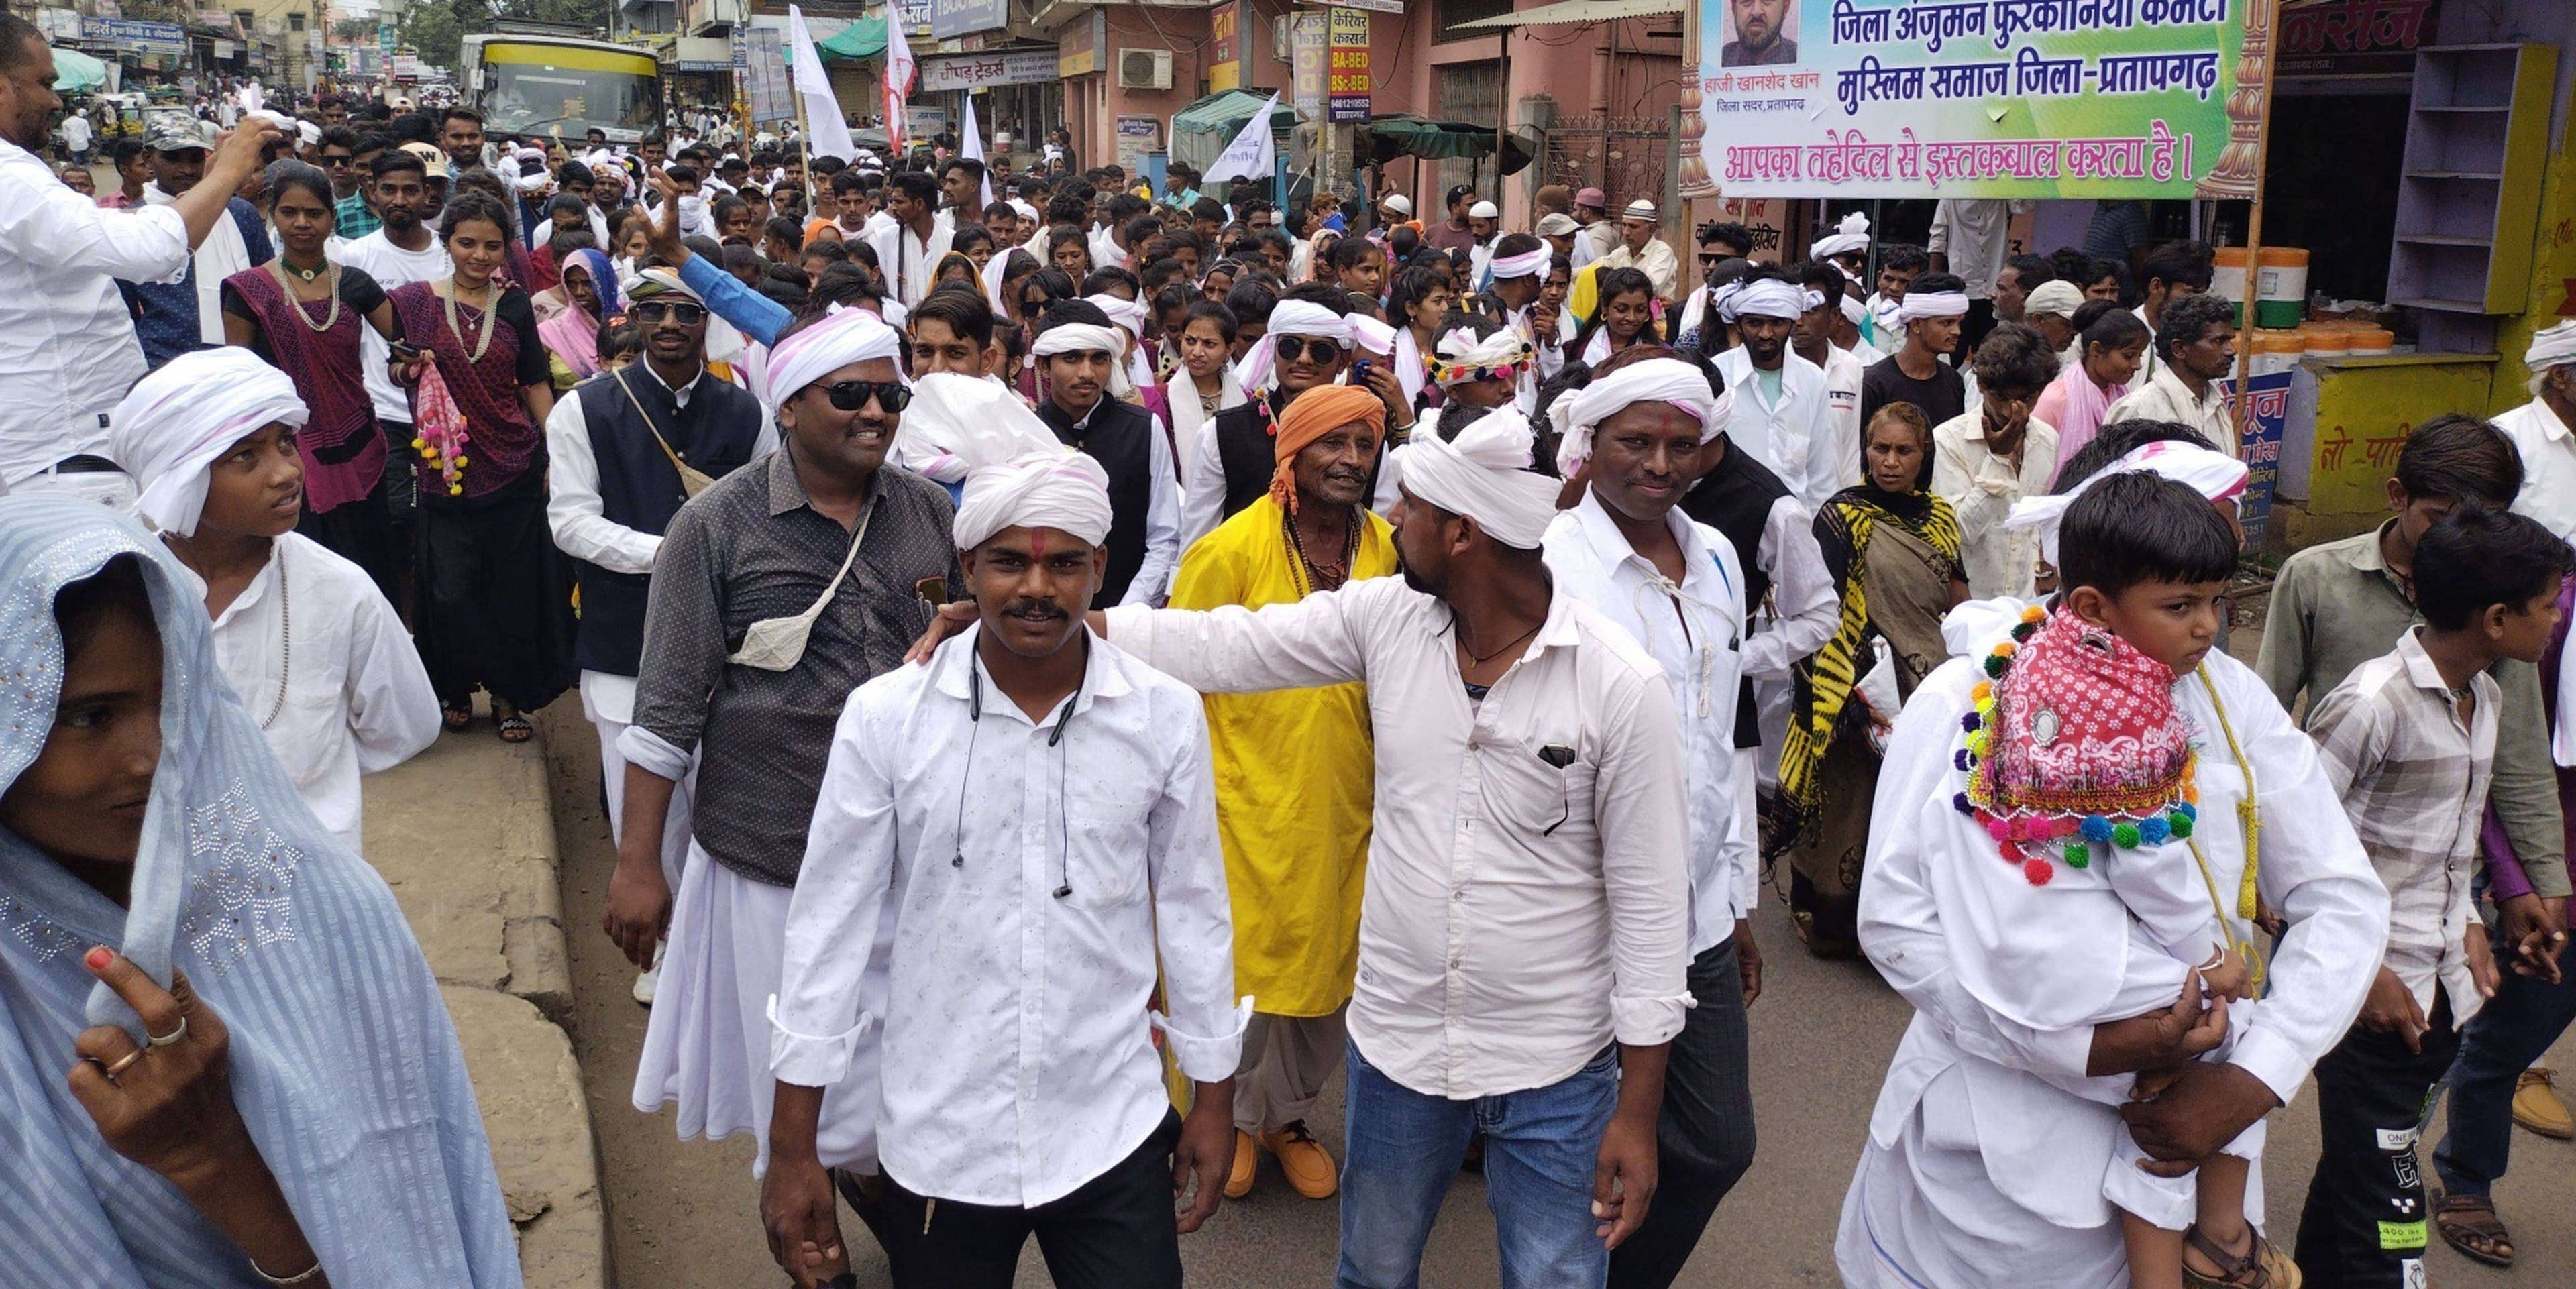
[(1306, 59), (1977, 98), (139, 37), (913, 16), (1225, 48), (2354, 37), (957, 17), (60, 24), (771, 94), (1137, 135), (2260, 449), (1078, 46), (978, 71), (1347, 85), (922, 124)]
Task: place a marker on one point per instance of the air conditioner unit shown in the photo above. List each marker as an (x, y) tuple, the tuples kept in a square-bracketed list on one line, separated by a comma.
[(1144, 69)]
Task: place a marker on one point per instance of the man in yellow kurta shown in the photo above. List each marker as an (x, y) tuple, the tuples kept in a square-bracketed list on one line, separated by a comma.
[(1293, 777)]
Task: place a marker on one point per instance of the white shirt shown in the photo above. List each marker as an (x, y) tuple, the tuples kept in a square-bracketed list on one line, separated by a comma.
[(1789, 436), (1981, 488), (355, 697), (908, 259), (1519, 915), (2163, 397), (68, 351), (1804, 603), (391, 266), (2548, 465), (1975, 234), (1841, 442), (1696, 633), (1018, 1062), (76, 132)]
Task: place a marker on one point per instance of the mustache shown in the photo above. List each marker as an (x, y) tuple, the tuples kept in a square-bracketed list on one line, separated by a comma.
[(1032, 607)]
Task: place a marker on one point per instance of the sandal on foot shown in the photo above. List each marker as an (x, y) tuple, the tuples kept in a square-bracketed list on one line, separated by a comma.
[(2469, 1224), (455, 716), (2255, 1269), (513, 726)]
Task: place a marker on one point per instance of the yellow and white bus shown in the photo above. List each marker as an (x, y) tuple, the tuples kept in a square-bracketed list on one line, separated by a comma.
[(562, 86)]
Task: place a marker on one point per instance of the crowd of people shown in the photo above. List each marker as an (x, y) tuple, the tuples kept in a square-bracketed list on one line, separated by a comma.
[(1412, 647)]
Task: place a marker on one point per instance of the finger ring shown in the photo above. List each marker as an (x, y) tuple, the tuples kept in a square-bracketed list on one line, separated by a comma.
[(122, 1064), (164, 1040)]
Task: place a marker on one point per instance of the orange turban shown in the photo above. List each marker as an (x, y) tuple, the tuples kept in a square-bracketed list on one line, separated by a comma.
[(1318, 412)]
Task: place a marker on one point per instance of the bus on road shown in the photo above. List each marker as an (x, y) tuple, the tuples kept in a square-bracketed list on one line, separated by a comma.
[(562, 86)]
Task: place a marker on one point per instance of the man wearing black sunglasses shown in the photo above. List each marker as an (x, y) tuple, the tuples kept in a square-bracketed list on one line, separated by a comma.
[(1234, 459), (616, 448)]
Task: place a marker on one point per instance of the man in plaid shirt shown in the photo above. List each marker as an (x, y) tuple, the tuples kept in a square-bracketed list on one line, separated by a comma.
[(2408, 740)]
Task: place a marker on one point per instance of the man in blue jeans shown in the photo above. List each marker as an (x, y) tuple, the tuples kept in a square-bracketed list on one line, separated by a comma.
[(1523, 938)]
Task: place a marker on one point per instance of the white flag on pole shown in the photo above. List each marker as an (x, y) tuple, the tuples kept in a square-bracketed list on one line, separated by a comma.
[(827, 134), (1252, 155), (899, 74), (973, 150)]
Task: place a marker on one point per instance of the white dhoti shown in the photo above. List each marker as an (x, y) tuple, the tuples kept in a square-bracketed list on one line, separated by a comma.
[(707, 1045), (609, 702)]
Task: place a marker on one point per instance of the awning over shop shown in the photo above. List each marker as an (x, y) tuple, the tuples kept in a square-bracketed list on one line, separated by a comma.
[(74, 70), (1201, 130), (1384, 138), (1576, 11), (865, 38)]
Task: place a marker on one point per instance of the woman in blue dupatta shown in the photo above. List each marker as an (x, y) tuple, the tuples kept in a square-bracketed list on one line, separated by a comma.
[(263, 1085)]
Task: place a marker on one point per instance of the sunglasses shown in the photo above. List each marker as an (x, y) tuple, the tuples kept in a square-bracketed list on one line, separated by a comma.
[(337, 162), (1710, 261), (653, 311), (1320, 348), (851, 395)]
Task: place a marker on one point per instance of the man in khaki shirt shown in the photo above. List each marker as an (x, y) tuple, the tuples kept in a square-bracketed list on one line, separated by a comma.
[(2197, 345), (1639, 249)]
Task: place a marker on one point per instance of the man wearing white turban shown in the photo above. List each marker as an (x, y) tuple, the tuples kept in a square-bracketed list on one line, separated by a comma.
[(1527, 902), (1080, 368), (924, 831), (315, 651), (2544, 431), (1635, 435), (1519, 268), (1935, 307), (776, 591), (1779, 412)]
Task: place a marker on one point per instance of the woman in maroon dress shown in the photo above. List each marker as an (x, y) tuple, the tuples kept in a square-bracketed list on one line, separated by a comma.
[(493, 602), (304, 315)]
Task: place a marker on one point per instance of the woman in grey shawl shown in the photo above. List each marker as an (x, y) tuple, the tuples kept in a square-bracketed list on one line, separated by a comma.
[(223, 1061)]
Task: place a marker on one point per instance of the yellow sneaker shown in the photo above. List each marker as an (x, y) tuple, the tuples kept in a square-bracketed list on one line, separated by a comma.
[(1247, 1160), (1302, 1158), (2537, 1108)]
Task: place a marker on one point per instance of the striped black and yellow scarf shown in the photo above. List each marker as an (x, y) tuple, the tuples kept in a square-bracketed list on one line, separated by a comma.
[(1848, 520)]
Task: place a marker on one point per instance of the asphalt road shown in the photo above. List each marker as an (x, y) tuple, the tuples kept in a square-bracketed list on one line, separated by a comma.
[(685, 1215)]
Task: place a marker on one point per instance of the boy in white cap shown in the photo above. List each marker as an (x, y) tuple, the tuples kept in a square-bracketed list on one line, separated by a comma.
[(1639, 249)]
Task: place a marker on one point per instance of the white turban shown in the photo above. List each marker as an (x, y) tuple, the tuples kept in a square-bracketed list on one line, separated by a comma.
[(1484, 475), (176, 421), (1462, 357), (1525, 264), (1051, 488), (1130, 314), (843, 337), (957, 423), (1849, 236), (1854, 310), (662, 280), (1372, 336), (2214, 475), (1088, 337), (1024, 210), (2552, 347), (1931, 304), (1657, 380), (1289, 318), (1763, 298)]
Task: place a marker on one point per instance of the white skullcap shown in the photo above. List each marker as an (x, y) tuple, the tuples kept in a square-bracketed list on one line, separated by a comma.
[(1398, 205), (1371, 335), (2214, 475), (1484, 475), (1656, 380), (1557, 224), (1484, 210), (1931, 304), (958, 422), (176, 421), (1849, 236), (2053, 296), (2551, 347), (843, 337), (1289, 318), (1641, 209), (1051, 488), (1130, 314), (1763, 298), (1525, 264)]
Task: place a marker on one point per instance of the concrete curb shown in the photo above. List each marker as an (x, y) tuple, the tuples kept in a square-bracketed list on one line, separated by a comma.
[(464, 834)]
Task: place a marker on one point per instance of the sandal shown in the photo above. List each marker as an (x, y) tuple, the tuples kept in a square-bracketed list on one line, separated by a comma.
[(2260, 1267), (2465, 1218), (455, 716), (514, 727)]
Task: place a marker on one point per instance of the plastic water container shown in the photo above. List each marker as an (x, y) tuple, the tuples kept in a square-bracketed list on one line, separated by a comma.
[(2281, 286), (2227, 280), (2275, 350)]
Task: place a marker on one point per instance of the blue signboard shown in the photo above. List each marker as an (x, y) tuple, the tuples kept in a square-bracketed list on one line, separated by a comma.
[(141, 37)]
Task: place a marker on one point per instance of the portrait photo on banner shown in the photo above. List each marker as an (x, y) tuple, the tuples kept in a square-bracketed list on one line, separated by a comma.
[(1759, 33)]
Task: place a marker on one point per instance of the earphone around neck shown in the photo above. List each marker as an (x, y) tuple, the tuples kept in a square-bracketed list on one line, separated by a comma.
[(1055, 739)]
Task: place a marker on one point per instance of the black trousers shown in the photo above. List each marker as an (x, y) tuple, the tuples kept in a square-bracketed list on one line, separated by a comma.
[(2366, 1220), (1113, 1232), (1704, 1137), (493, 602)]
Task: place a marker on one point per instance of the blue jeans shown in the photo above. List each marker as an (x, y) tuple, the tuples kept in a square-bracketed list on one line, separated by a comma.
[(1402, 1151), (2509, 1033)]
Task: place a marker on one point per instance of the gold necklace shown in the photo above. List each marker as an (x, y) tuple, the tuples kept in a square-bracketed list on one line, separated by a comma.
[(489, 322)]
